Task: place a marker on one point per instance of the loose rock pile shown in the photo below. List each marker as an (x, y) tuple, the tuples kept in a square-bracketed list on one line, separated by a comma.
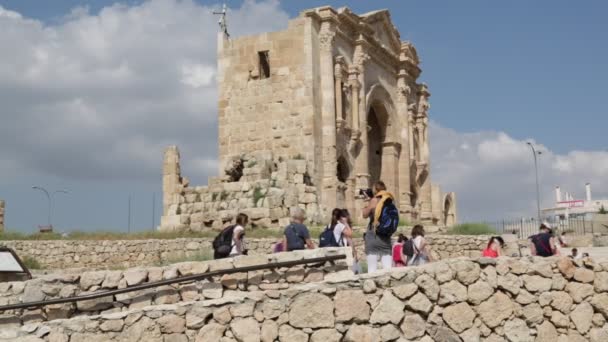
[(528, 299)]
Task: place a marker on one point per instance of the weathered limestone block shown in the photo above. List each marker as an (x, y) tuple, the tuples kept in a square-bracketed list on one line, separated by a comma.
[(459, 317), (389, 309), (312, 310), (495, 310)]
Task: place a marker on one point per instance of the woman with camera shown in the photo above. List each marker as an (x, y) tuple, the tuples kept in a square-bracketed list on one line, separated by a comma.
[(376, 245)]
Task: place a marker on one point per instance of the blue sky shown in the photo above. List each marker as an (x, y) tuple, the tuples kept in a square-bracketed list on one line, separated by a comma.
[(499, 73), (530, 68)]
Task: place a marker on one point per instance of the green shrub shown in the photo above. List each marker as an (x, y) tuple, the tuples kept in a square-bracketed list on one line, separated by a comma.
[(403, 222), (602, 211), (31, 263), (8, 236), (472, 229), (258, 194)]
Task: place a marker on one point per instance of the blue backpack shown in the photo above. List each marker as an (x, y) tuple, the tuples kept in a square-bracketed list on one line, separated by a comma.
[(327, 238), (389, 219)]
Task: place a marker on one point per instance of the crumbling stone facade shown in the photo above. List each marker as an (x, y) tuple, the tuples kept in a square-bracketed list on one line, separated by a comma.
[(1, 216), (337, 91)]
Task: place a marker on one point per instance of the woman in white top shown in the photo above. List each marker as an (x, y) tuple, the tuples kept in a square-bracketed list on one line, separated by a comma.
[(238, 235), (342, 230), (422, 254)]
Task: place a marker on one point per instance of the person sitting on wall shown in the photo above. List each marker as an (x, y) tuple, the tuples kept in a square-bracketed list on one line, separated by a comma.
[(238, 235), (574, 254), (278, 247), (563, 240), (421, 253), (296, 234), (543, 243), (398, 260), (494, 247)]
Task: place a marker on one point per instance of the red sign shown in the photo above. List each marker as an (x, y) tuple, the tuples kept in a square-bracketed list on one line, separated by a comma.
[(571, 204)]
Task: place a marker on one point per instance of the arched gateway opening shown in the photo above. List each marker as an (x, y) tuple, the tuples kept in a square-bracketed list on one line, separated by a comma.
[(383, 148), (376, 134)]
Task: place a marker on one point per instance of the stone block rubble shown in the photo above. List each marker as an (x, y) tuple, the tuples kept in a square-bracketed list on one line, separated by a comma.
[(506, 299), (257, 184)]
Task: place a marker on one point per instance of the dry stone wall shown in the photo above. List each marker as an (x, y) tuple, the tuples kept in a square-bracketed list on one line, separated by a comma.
[(212, 289), (61, 254), (527, 299)]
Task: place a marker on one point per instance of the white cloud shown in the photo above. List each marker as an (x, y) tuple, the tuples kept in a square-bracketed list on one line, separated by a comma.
[(99, 95), (493, 173)]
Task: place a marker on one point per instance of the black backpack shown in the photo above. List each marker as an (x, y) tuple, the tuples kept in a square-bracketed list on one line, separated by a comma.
[(542, 244), (408, 248), (389, 219), (222, 244), (327, 238)]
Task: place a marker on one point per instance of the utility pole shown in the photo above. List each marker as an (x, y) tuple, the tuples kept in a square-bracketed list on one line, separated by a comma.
[(534, 153), (153, 210), (129, 216), (223, 22), (49, 197)]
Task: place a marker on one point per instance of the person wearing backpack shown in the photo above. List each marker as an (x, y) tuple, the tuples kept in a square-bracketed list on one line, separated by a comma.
[(230, 241), (238, 235), (296, 235), (543, 244), (338, 232), (416, 249), (383, 220)]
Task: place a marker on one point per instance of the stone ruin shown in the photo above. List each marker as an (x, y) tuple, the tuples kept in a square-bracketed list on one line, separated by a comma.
[(334, 101), (1, 216), (258, 184)]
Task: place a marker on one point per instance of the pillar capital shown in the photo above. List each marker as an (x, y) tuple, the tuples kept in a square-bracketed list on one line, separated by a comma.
[(326, 35)]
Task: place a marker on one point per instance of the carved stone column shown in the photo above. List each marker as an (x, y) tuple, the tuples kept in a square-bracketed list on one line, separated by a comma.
[(422, 125), (355, 86), (328, 115), (171, 178), (390, 164), (404, 177), (361, 164), (340, 116)]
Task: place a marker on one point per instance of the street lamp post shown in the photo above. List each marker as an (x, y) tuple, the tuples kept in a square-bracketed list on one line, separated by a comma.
[(49, 197), (534, 153)]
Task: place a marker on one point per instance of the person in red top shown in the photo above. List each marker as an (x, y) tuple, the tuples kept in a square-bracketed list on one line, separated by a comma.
[(398, 251), (494, 247)]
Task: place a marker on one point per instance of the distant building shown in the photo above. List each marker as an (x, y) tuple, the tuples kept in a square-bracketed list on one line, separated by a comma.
[(566, 206)]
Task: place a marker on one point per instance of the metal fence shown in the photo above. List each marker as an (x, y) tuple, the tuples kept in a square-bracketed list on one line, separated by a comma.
[(524, 228)]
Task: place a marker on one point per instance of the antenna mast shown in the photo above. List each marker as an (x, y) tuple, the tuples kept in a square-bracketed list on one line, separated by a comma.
[(223, 22)]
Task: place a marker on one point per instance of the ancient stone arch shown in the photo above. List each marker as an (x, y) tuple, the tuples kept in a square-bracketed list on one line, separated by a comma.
[(449, 209), (382, 138), (312, 135)]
